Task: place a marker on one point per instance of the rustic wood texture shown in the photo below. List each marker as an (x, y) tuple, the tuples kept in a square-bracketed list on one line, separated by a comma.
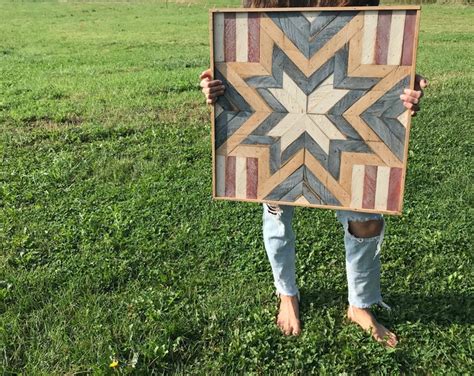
[(311, 115)]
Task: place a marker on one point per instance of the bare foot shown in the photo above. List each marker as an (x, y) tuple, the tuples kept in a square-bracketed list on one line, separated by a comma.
[(366, 320), (288, 316)]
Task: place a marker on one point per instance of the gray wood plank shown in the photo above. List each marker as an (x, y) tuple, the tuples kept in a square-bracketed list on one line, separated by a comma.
[(386, 134), (294, 194), (313, 147), (320, 22), (342, 81), (272, 101), (319, 76), (311, 196), (319, 189), (269, 123), (344, 127), (336, 147), (287, 185), (330, 30), (346, 102)]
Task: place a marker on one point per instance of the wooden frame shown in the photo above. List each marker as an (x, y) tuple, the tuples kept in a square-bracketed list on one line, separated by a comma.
[(311, 115)]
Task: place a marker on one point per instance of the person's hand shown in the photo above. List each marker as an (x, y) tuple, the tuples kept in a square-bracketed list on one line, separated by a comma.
[(411, 98), (211, 88)]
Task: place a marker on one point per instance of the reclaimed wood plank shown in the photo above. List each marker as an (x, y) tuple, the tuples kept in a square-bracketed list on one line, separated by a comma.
[(370, 179), (241, 37), (381, 192), (395, 43), (409, 38), (219, 37), (252, 177), (253, 37), (229, 37), (383, 36)]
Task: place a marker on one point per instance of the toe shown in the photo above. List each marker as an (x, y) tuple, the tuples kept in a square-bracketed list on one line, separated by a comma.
[(389, 339), (296, 331)]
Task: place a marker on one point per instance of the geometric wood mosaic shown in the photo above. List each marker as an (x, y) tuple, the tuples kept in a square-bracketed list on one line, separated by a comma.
[(311, 114)]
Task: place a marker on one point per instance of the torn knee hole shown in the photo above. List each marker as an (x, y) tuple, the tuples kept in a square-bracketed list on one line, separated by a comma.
[(273, 209), (366, 229)]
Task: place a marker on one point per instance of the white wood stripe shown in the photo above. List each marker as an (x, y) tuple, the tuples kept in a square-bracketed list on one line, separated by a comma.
[(317, 134), (285, 125), (310, 16), (381, 191), (395, 43), (220, 175), (368, 38), (292, 134), (290, 95), (357, 186), (241, 37), (241, 177), (327, 127), (325, 97), (218, 33)]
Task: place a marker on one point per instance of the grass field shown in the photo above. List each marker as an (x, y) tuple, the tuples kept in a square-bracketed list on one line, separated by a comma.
[(111, 247)]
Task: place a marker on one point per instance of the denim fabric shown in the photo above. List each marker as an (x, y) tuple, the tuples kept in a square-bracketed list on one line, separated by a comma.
[(362, 255)]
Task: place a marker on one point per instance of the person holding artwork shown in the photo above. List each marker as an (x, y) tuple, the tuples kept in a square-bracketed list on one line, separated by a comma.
[(363, 232)]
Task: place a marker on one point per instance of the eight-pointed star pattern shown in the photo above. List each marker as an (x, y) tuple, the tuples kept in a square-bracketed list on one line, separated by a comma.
[(311, 114)]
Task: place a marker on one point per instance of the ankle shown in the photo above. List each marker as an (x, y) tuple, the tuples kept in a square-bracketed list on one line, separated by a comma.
[(288, 298)]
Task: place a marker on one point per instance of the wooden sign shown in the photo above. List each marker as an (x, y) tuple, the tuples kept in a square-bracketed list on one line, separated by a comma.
[(311, 113)]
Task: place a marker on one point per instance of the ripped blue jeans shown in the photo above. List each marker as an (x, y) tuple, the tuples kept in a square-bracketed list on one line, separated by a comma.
[(362, 255)]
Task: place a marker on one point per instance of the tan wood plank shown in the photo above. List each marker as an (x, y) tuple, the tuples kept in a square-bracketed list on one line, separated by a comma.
[(248, 69), (372, 70), (268, 28), (355, 50), (247, 92), (378, 90), (266, 49)]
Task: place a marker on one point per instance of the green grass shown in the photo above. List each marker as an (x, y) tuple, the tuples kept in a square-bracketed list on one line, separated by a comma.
[(112, 247)]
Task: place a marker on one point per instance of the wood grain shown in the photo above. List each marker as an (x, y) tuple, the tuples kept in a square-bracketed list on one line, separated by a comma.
[(311, 114)]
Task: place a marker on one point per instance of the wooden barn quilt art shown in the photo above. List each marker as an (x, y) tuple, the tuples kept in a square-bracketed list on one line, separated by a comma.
[(311, 113)]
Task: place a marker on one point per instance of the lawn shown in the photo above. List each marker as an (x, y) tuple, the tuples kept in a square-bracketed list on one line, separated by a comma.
[(112, 248)]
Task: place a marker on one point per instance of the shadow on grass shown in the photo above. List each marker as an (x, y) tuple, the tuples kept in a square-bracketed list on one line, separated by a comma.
[(441, 309)]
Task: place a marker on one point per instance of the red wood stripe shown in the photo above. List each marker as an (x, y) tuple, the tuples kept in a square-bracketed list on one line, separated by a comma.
[(370, 179), (229, 37), (254, 37), (394, 189), (408, 37), (383, 36), (252, 177), (230, 177)]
